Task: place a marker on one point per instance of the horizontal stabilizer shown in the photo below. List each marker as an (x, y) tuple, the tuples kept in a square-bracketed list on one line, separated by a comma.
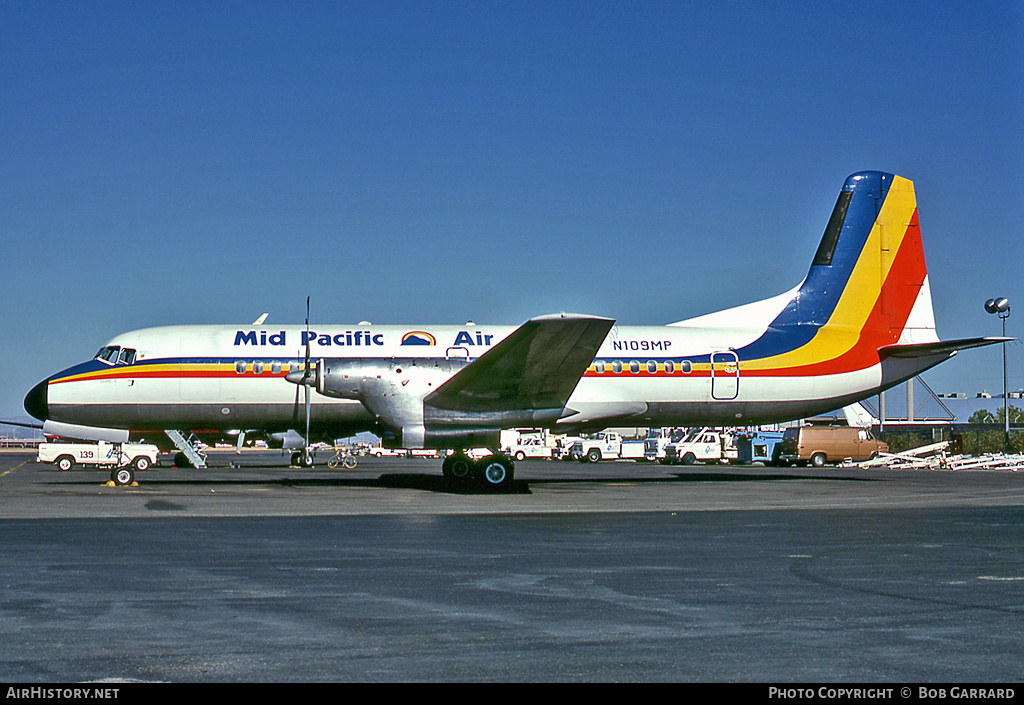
[(536, 367), (942, 347)]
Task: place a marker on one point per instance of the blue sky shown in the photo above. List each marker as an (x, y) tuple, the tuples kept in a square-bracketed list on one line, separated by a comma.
[(434, 162)]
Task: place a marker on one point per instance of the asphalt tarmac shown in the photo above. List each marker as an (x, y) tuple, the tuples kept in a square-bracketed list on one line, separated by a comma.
[(611, 572)]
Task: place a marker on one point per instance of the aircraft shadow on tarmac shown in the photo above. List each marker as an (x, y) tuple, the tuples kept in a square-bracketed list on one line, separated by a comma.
[(436, 483)]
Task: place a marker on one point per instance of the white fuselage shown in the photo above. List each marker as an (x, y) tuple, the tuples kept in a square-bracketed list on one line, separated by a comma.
[(227, 377)]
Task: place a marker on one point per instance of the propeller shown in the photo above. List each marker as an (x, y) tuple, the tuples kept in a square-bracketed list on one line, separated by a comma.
[(305, 384), (304, 379)]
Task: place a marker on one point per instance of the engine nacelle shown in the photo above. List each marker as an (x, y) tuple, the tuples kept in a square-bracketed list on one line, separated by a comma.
[(364, 379), (390, 388), (394, 390)]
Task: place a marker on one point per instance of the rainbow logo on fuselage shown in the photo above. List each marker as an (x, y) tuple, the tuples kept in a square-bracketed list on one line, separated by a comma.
[(418, 337)]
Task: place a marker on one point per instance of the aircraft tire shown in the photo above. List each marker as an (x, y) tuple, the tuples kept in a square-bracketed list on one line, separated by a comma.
[(495, 473), (457, 467), (122, 477)]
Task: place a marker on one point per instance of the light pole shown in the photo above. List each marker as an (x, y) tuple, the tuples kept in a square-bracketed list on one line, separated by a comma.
[(1001, 307)]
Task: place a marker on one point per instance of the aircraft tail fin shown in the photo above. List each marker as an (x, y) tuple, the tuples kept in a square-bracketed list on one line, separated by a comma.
[(867, 288), (869, 272)]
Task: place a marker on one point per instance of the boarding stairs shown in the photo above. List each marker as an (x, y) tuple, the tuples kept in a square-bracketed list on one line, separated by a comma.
[(188, 447)]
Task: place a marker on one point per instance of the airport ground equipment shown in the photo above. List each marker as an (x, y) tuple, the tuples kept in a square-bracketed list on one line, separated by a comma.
[(658, 439), (66, 455), (759, 446), (703, 445), (601, 446), (820, 445), (188, 449), (633, 449), (123, 459), (533, 446)]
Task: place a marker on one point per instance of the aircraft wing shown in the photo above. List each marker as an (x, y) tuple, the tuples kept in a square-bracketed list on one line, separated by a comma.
[(536, 367), (942, 347), (19, 424)]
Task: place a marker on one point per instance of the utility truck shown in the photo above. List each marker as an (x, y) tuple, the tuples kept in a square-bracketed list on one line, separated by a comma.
[(123, 458), (703, 445), (658, 439), (759, 446), (606, 444), (532, 446), (66, 455)]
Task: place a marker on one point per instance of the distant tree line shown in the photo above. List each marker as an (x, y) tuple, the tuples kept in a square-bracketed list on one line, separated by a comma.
[(972, 442)]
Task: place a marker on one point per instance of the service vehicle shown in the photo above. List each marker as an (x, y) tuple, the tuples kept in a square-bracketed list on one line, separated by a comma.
[(66, 455), (633, 449), (563, 447), (529, 447), (382, 452), (820, 445), (703, 445), (759, 446), (658, 439), (123, 459), (606, 444)]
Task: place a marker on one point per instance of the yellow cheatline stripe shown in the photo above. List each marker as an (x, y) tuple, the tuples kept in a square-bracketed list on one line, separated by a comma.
[(146, 370), (862, 290)]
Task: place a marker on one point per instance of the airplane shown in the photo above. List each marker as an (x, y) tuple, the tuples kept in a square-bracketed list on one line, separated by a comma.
[(860, 322)]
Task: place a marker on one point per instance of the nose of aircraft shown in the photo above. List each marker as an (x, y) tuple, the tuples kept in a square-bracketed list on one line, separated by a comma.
[(36, 403)]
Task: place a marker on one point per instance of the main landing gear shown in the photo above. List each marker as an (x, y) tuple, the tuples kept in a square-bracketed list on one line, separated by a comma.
[(493, 472)]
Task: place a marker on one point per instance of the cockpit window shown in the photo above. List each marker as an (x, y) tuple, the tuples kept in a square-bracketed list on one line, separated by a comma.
[(109, 353), (116, 355)]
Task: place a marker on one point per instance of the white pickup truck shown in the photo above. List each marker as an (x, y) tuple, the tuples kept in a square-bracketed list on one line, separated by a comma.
[(529, 447), (67, 455), (602, 445), (704, 445)]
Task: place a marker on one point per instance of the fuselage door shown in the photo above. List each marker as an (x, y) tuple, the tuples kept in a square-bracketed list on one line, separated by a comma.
[(725, 375)]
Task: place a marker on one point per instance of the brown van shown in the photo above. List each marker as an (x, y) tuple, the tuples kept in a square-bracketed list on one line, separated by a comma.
[(829, 444)]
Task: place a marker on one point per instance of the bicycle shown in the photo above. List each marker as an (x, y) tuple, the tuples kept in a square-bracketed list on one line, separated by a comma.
[(342, 456)]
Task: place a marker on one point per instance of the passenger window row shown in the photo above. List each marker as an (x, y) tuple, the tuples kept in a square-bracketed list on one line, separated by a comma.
[(634, 366), (275, 367)]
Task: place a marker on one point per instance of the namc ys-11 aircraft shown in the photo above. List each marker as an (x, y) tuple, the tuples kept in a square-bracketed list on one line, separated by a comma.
[(860, 322)]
